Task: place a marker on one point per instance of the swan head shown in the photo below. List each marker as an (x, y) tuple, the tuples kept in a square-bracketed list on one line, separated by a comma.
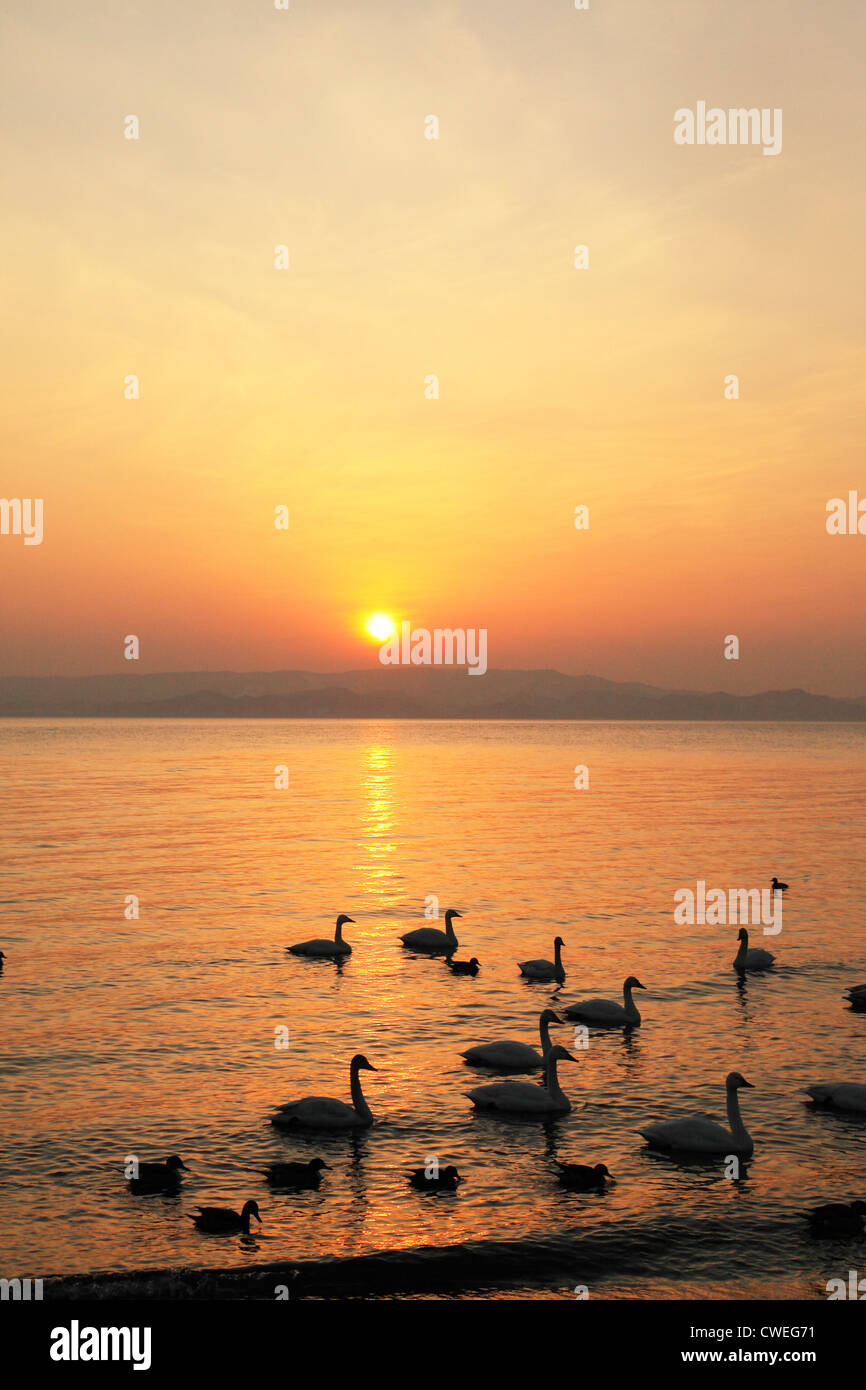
[(343, 919), (550, 1017), (633, 983), (560, 1054), (360, 1063), (735, 1079), (175, 1162), (743, 935), (251, 1209), (452, 912), (558, 941)]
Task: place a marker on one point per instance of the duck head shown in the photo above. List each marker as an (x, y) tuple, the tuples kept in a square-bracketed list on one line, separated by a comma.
[(601, 1171), (450, 1174), (175, 1162), (317, 1163)]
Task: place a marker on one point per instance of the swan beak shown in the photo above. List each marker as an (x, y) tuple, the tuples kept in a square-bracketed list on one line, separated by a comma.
[(744, 1082), (349, 919), (370, 1067)]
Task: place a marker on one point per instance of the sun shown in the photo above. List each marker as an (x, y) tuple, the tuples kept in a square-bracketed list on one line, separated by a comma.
[(380, 626)]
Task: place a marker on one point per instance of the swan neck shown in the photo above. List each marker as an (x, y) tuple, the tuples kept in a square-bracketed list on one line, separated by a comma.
[(544, 1030), (449, 929), (339, 933), (358, 1100), (551, 1080), (735, 1119)]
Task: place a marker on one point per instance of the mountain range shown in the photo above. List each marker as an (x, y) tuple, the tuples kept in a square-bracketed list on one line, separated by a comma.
[(397, 692)]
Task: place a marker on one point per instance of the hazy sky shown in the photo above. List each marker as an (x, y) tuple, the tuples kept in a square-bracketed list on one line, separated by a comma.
[(411, 257)]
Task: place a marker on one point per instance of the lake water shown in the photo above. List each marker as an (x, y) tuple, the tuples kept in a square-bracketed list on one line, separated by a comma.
[(157, 1036)]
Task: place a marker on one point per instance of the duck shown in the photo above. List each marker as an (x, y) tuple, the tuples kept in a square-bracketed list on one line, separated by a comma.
[(431, 938), (295, 1174), (580, 1177), (699, 1134), (545, 969), (837, 1218), (464, 967), (445, 1180), (840, 1095), (751, 957), (158, 1177), (857, 995), (2, 958), (324, 1112), (606, 1013), (514, 1056), (224, 1221), (525, 1097), (323, 946), (779, 887)]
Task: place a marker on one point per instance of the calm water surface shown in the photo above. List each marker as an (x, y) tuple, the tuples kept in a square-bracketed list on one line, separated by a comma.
[(156, 1036)]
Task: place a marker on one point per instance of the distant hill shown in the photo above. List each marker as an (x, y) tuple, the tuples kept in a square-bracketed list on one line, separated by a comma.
[(396, 692)]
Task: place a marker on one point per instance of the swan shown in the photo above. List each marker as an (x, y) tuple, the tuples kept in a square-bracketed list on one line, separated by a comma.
[(158, 1177), (514, 1056), (295, 1174), (778, 887), (431, 938), (323, 1112), (464, 967), (545, 969), (751, 957), (222, 1220), (323, 946), (525, 1097), (840, 1095), (699, 1134), (837, 1218), (581, 1178), (445, 1180), (606, 1013)]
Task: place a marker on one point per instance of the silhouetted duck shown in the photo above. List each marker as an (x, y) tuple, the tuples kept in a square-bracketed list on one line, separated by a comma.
[(581, 1178), (464, 967), (837, 1218), (445, 1180), (158, 1177), (2, 958), (295, 1174), (223, 1221), (779, 887)]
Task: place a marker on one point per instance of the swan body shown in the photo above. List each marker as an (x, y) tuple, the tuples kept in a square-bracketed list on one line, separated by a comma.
[(837, 1218), (324, 1112), (446, 1179), (158, 1177), (296, 1174), (514, 1056), (525, 1097), (840, 1095), (323, 946), (751, 957), (464, 967), (580, 1177), (699, 1134), (431, 938), (606, 1013), (223, 1221), (545, 969)]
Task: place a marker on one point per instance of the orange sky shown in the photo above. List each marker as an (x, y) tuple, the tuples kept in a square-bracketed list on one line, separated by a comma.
[(454, 257)]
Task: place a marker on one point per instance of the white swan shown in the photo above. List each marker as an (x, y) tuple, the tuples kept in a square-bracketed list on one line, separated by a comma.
[(699, 1134), (840, 1095), (514, 1056), (323, 946), (524, 1097), (431, 938), (324, 1112), (545, 969), (606, 1013), (751, 958)]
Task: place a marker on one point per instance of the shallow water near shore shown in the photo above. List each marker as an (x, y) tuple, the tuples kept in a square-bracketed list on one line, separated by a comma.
[(157, 1036)]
